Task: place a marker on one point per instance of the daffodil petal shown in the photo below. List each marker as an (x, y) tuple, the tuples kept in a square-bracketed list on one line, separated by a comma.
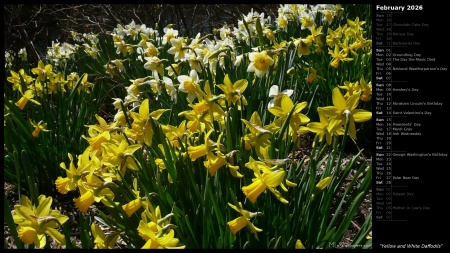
[(360, 115), (338, 99)]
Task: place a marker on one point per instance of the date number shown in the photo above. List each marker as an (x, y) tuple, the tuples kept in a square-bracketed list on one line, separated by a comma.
[(414, 7)]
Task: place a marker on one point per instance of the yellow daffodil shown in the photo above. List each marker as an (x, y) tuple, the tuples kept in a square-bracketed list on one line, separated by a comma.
[(244, 220), (296, 120), (233, 92), (299, 244), (157, 232), (215, 162), (321, 129), (320, 186), (119, 155), (27, 96), (366, 89), (85, 200), (16, 79), (259, 137), (316, 37), (354, 27), (174, 134), (334, 36), (69, 183), (203, 114), (34, 223), (352, 88), (338, 56), (134, 204), (101, 240), (40, 126), (312, 74), (98, 133), (212, 101), (72, 80), (216, 159), (93, 190), (85, 85), (341, 107), (303, 46), (202, 149), (268, 179), (42, 70), (141, 128)]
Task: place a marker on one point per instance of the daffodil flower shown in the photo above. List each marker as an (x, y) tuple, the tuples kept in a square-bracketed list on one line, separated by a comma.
[(259, 63), (268, 179), (299, 244), (215, 162), (233, 92), (178, 48), (16, 79), (333, 37), (101, 240), (155, 65), (354, 27), (189, 84), (352, 88), (69, 183), (296, 120), (27, 96), (169, 33), (259, 137), (244, 220), (42, 70), (174, 69), (119, 155), (141, 128), (170, 89), (366, 89), (40, 126), (320, 186), (340, 108), (321, 129), (98, 133), (338, 56), (132, 206), (276, 95), (174, 134), (303, 46), (34, 223), (202, 149), (92, 191), (85, 85), (312, 75), (203, 114), (154, 235), (216, 159)]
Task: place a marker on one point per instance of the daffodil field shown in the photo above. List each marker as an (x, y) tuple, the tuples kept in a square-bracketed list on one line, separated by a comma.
[(165, 141)]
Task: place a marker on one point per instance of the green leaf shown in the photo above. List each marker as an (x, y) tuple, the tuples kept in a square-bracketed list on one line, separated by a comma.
[(10, 222)]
